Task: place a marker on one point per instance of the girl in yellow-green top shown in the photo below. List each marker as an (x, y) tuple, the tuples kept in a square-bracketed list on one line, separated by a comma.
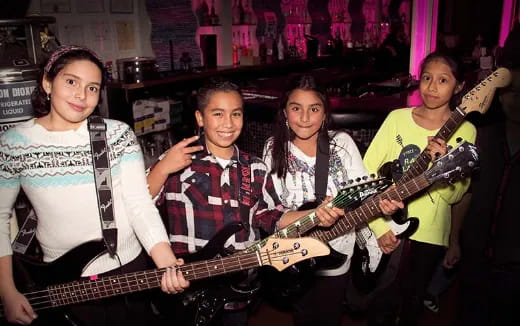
[(403, 136)]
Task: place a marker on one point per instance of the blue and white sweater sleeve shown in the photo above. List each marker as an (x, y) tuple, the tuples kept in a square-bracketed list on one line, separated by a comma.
[(142, 214), (9, 188)]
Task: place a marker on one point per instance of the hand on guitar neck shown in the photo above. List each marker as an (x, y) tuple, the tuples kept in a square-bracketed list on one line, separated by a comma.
[(329, 214), (326, 213)]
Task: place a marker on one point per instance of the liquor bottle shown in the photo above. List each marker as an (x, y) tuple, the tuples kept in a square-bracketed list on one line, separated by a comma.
[(241, 12), (262, 50), (236, 13), (204, 13), (213, 18), (280, 48), (235, 50)]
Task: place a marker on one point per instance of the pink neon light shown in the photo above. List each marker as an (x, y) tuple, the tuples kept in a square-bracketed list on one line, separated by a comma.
[(420, 48), (505, 27), (93, 277), (435, 19)]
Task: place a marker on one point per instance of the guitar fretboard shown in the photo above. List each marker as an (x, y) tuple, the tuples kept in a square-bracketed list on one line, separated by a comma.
[(423, 160), (370, 209), (104, 287), (306, 222)]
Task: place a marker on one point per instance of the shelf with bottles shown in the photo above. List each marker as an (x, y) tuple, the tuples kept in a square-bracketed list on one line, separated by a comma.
[(242, 12), (205, 15)]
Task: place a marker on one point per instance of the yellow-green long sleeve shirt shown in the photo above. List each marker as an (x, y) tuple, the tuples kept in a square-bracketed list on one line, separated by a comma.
[(399, 137)]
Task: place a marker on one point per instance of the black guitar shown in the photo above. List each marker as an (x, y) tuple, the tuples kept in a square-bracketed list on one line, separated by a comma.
[(369, 262), (58, 284)]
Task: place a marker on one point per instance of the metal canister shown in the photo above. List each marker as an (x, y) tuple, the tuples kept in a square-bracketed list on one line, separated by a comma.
[(137, 69)]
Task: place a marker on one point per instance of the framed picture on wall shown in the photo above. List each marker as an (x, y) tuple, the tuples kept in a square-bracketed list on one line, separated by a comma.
[(87, 6), (121, 6), (55, 6)]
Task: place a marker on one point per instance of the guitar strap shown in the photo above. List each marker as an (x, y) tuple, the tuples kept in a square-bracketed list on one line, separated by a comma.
[(321, 174), (103, 182), (244, 174), (27, 231)]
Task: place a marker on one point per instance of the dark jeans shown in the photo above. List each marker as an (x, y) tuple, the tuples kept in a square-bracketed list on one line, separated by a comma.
[(322, 304), (404, 297)]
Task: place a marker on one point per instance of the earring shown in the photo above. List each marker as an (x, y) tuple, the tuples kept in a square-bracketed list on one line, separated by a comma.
[(287, 124), (48, 97)]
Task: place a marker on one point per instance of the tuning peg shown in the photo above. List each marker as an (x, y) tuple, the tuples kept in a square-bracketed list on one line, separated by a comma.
[(459, 139)]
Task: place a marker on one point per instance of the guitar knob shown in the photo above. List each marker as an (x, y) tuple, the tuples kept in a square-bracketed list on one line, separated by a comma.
[(350, 181), (358, 179), (365, 177), (372, 175), (304, 252), (285, 260), (459, 139)]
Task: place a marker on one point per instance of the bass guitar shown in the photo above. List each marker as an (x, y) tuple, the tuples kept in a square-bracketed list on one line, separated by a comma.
[(57, 284), (369, 262)]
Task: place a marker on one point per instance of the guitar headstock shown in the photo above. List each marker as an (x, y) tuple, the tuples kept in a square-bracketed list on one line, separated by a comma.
[(456, 164), (357, 192), (282, 253), (479, 98)]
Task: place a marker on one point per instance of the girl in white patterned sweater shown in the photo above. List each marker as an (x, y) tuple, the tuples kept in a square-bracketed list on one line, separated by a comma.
[(49, 157)]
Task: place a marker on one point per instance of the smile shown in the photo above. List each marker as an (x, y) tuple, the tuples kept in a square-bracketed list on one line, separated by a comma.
[(78, 108), (225, 134)]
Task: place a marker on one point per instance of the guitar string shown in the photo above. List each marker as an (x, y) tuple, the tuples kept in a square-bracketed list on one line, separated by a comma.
[(338, 199), (198, 269), (307, 223)]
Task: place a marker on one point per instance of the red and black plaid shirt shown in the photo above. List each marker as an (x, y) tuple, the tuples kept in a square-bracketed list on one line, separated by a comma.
[(204, 197)]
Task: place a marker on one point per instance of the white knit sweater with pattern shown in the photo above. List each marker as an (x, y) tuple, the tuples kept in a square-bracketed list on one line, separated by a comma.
[(54, 169)]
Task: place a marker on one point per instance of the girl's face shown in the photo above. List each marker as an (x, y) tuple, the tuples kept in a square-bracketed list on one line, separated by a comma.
[(305, 114), (438, 85), (74, 93), (222, 120)]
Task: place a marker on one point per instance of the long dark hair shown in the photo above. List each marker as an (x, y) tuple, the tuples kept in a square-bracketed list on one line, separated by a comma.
[(58, 60), (283, 134), (457, 69)]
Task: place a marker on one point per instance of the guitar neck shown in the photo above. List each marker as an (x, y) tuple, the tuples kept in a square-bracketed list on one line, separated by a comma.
[(423, 160), (104, 287), (303, 224), (293, 230), (370, 209)]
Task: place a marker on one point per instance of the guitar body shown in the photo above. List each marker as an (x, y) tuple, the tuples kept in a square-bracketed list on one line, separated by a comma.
[(205, 299), (32, 275), (368, 261)]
